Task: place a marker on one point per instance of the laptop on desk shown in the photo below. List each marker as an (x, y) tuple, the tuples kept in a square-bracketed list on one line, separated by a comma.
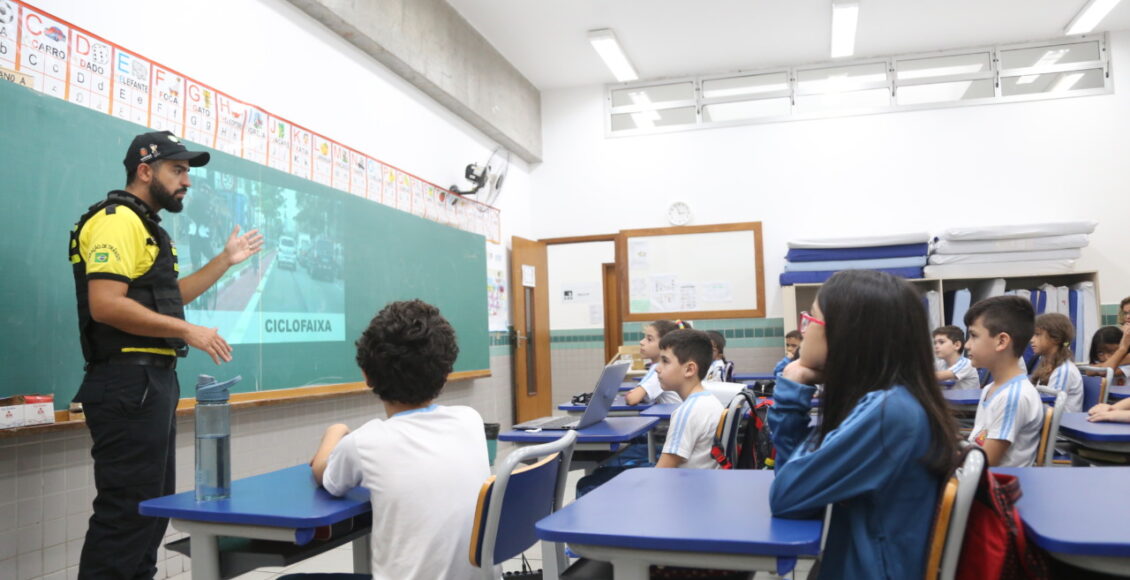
[(601, 402)]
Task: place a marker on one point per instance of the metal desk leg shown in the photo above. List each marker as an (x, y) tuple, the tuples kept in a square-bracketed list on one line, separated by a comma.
[(205, 556), (362, 555), (651, 446), (553, 560), (630, 570)]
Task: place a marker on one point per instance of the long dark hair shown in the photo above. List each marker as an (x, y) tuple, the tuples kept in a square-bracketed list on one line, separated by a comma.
[(1103, 337), (1059, 329), (878, 337)]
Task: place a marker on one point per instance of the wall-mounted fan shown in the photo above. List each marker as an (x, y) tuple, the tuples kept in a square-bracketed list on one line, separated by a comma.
[(486, 178)]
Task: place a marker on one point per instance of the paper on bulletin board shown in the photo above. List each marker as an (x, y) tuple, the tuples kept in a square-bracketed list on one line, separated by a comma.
[(688, 297), (716, 292), (637, 254), (498, 318)]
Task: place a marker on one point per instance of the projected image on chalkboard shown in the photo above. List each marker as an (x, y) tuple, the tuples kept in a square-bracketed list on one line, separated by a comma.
[(294, 290)]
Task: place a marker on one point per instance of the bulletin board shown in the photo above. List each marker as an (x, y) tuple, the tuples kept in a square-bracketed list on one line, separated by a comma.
[(713, 271)]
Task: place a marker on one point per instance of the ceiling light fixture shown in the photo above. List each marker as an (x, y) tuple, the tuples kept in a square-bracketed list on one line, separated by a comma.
[(605, 44), (845, 17), (1090, 16)]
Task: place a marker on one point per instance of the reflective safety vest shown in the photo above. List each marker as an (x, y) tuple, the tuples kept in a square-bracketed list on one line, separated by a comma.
[(157, 289)]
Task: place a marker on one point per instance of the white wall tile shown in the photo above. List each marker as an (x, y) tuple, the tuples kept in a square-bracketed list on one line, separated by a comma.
[(55, 558), (29, 565), (55, 532)]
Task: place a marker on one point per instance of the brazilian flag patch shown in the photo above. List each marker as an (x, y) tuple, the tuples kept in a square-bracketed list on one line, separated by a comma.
[(101, 257)]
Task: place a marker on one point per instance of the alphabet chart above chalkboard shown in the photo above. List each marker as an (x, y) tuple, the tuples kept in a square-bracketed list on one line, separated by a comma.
[(64, 61)]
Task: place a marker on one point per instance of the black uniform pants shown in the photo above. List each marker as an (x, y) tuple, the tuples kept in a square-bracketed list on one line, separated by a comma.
[(130, 410)]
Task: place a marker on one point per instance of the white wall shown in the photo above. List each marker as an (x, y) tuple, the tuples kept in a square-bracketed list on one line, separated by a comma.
[(1026, 162), (267, 53), (577, 267)]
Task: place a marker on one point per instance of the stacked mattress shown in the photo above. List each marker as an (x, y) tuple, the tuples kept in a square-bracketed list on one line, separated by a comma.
[(1008, 250), (815, 260)]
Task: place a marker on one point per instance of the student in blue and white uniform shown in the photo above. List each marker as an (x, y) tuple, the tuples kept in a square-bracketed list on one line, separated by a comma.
[(1110, 347), (649, 390), (721, 370), (683, 359), (886, 440), (792, 349), (949, 364), (1010, 415), (1052, 343)]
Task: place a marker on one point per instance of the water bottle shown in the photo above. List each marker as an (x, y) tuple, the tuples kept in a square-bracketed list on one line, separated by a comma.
[(213, 438)]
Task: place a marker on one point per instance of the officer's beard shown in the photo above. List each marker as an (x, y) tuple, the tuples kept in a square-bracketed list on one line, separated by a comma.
[(165, 198)]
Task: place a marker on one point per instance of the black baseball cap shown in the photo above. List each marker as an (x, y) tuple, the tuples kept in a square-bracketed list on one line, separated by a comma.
[(150, 147)]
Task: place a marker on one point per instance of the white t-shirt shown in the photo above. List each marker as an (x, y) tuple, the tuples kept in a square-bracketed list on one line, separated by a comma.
[(963, 370), (1067, 378), (691, 435), (423, 469), (1011, 413), (655, 392)]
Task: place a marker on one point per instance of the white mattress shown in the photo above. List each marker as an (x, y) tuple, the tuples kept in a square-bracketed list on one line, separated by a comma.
[(1010, 269), (1014, 245), (1014, 231), (861, 242), (1004, 257)]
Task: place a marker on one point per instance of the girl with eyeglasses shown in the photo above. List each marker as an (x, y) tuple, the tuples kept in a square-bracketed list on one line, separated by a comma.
[(885, 440)]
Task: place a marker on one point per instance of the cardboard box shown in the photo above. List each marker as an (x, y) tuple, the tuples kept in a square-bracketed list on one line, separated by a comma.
[(39, 409), (11, 412)]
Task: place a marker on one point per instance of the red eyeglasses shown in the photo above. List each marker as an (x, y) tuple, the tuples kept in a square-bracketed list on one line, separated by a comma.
[(806, 320)]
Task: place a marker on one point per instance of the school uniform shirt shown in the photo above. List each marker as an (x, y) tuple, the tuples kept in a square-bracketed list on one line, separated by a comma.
[(963, 370), (691, 432), (1067, 378), (720, 370), (1012, 413), (423, 469), (781, 364), (655, 392), (869, 468)]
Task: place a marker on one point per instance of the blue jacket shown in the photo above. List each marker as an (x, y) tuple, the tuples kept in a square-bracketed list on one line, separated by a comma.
[(781, 364), (870, 468)]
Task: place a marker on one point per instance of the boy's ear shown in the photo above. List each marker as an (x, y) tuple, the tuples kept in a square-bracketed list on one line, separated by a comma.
[(690, 369), (1002, 341)]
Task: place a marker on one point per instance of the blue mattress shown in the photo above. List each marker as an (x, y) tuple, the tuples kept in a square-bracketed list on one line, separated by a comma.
[(790, 278), (871, 253), (877, 264)]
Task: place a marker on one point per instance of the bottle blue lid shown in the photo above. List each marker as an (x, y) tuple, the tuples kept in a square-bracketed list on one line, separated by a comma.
[(208, 389)]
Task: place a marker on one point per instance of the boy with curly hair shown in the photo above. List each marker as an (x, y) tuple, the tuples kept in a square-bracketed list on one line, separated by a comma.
[(424, 465)]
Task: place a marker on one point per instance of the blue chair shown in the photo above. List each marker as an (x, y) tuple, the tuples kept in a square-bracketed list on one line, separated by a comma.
[(514, 499), (1094, 387), (984, 377)]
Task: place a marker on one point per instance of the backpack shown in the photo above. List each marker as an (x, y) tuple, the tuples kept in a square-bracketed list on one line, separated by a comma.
[(995, 545), (755, 450)]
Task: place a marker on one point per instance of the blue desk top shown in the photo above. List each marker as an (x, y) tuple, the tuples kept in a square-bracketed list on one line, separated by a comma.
[(973, 396), (287, 498), (1076, 425), (1118, 392), (663, 411), (730, 515), (610, 430), (1091, 522), (618, 405)]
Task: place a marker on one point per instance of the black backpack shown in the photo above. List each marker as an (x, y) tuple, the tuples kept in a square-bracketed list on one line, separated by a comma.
[(755, 442)]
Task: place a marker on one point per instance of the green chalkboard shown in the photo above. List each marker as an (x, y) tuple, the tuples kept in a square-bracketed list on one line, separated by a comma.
[(331, 259)]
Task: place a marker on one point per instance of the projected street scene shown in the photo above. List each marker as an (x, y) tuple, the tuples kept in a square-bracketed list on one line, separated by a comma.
[(293, 291)]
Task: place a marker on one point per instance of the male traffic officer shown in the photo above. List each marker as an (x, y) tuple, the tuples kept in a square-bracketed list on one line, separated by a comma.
[(132, 330)]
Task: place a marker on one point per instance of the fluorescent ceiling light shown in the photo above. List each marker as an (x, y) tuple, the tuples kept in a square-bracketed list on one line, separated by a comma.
[(1090, 16), (605, 44), (845, 16)]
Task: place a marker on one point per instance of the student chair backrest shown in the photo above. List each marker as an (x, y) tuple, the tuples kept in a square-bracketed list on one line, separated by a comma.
[(983, 376), (515, 498), (1095, 387), (724, 392), (953, 512), (1046, 450)]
